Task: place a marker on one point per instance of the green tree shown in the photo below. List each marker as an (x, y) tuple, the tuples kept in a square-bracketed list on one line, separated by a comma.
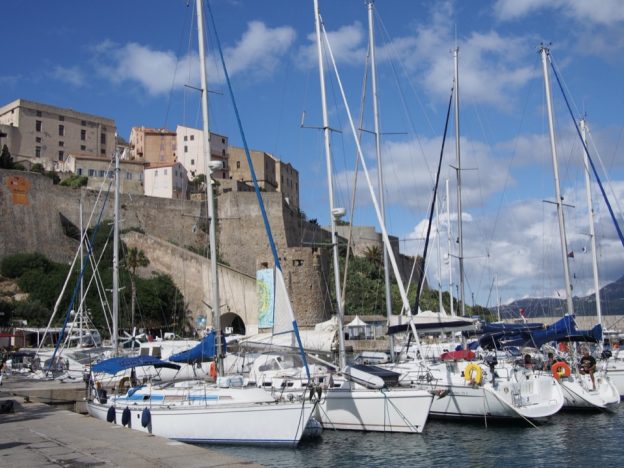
[(134, 259), (6, 160)]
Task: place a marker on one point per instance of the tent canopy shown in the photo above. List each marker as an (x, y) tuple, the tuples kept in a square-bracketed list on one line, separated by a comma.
[(357, 322)]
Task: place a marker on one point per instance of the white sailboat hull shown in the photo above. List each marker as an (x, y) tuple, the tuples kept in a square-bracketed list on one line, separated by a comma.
[(280, 423), (579, 394), (615, 371), (355, 408)]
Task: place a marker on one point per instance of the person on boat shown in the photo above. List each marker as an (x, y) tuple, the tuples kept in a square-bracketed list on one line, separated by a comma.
[(588, 365), (550, 361), (528, 361)]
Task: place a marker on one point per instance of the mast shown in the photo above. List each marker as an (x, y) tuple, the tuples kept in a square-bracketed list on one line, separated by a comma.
[(115, 338), (81, 308), (590, 213), (450, 245), (216, 311), (460, 253), (544, 52), (380, 180), (334, 212)]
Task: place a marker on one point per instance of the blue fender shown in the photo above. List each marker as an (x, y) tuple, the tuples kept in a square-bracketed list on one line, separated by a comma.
[(110, 416), (125, 417), (146, 417)]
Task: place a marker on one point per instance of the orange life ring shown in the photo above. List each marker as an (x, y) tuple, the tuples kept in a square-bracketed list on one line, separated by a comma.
[(213, 370), (560, 369)]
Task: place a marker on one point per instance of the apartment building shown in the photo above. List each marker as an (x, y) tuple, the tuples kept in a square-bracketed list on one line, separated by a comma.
[(264, 167), (166, 180), (153, 145), (45, 134), (288, 182), (98, 169), (190, 145), (273, 175)]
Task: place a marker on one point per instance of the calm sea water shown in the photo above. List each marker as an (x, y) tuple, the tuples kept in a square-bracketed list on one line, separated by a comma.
[(569, 439)]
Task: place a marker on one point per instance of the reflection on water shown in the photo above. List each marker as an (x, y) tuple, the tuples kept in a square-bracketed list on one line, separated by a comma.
[(571, 439)]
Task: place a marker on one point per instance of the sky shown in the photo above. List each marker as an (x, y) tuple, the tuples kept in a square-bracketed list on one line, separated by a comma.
[(136, 62)]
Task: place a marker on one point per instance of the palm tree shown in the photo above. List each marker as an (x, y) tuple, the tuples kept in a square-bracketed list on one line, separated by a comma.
[(135, 258)]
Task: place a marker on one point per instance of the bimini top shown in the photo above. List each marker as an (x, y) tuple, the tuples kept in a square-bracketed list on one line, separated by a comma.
[(117, 364)]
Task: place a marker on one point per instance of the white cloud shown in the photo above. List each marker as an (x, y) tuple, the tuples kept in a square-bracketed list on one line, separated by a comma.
[(347, 46), (72, 75), (257, 53), (605, 12), (524, 252)]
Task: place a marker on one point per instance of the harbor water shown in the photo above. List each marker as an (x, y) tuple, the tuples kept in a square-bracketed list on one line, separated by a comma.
[(569, 439)]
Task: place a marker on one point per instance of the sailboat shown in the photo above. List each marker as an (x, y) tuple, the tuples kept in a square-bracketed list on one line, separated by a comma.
[(362, 398), (579, 391), (227, 411), (469, 389)]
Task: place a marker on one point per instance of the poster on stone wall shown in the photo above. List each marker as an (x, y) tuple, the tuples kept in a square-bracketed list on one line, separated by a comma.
[(265, 286)]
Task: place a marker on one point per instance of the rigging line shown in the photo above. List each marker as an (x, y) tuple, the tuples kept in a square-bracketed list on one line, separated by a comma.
[(173, 79), (265, 218), (403, 100), (419, 285), (589, 158), (80, 276), (355, 177), (606, 173)]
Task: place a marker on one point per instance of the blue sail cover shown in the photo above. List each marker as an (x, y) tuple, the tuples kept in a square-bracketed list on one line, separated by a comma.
[(205, 350), (518, 327), (118, 364), (558, 331)]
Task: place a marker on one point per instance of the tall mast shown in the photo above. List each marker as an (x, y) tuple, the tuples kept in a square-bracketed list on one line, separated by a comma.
[(380, 180), (115, 338), (450, 245), (81, 307), (440, 303), (460, 253), (216, 311), (592, 231), (334, 213), (544, 52)]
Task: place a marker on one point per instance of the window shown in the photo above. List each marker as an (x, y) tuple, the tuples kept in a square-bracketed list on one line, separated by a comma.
[(79, 171), (185, 139), (61, 143), (61, 118), (192, 162), (83, 123), (61, 153), (186, 149), (192, 137), (38, 139), (165, 171), (110, 174), (223, 140), (38, 125), (237, 164), (83, 135), (83, 148), (38, 113), (101, 173), (91, 172), (61, 130), (103, 138), (128, 175), (37, 151), (103, 152)]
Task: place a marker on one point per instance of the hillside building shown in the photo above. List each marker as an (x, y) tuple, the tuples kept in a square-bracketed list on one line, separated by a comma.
[(166, 181), (98, 169), (190, 144), (153, 145), (45, 134)]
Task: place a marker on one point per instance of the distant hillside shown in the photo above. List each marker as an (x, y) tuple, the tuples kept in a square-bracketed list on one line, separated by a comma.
[(611, 295)]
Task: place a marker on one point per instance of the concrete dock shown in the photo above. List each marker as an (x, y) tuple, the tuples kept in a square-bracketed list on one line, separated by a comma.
[(38, 435)]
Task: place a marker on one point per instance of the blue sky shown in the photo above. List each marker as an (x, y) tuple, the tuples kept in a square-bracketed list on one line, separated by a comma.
[(130, 61)]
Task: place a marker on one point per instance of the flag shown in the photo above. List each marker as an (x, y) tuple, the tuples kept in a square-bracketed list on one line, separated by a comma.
[(571, 254)]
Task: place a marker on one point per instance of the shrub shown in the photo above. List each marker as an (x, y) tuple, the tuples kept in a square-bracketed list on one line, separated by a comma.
[(75, 181), (16, 265)]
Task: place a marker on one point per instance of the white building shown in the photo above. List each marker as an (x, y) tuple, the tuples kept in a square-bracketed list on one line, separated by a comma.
[(166, 181), (190, 146)]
